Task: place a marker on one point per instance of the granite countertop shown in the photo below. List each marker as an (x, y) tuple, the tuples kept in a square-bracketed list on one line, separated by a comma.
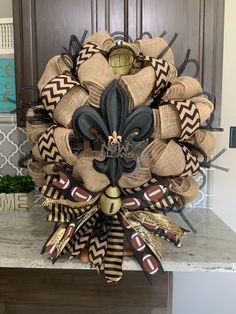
[(23, 233)]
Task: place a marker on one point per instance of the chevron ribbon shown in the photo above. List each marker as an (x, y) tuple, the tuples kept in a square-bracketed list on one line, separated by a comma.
[(87, 52), (81, 238), (189, 118), (192, 164), (47, 146), (115, 251), (162, 70), (55, 90), (97, 250)]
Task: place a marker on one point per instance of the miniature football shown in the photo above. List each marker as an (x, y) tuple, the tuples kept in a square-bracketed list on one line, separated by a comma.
[(80, 195), (131, 203), (150, 264), (63, 183), (154, 193), (150, 227), (137, 242)]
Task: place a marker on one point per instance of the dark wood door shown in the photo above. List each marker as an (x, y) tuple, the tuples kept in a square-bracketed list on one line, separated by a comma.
[(43, 27)]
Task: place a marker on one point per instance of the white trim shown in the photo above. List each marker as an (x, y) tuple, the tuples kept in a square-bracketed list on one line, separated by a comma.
[(6, 36)]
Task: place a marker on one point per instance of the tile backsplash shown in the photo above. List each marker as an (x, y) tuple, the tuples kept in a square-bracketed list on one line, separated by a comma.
[(13, 145)]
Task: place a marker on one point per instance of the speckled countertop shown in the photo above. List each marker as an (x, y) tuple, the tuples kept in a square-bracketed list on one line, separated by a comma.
[(22, 235)]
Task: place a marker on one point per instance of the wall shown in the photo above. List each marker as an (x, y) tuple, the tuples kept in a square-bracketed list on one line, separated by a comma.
[(225, 183), (209, 293), (5, 8)]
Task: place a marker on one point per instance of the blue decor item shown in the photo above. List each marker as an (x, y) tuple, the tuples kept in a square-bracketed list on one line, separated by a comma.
[(7, 85)]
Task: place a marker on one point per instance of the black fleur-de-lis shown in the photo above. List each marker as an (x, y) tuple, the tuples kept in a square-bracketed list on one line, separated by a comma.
[(114, 124)]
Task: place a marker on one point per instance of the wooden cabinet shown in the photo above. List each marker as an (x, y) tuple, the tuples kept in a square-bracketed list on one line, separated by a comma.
[(43, 27)]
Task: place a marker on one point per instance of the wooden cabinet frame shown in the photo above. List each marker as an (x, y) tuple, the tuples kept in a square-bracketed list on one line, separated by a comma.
[(34, 24)]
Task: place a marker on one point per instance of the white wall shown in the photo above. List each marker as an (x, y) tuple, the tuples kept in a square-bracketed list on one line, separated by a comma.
[(215, 293), (5, 8), (225, 183)]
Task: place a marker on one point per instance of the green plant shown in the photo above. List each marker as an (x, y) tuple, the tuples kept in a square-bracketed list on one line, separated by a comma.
[(16, 184)]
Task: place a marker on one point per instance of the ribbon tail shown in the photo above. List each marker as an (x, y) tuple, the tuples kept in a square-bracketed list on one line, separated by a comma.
[(161, 225), (82, 237), (140, 245), (115, 252), (97, 250), (63, 234)]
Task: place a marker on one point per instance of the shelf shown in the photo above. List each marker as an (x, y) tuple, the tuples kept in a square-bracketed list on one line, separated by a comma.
[(22, 235)]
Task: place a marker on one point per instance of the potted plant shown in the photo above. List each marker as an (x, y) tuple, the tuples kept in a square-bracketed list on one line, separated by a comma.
[(16, 192)]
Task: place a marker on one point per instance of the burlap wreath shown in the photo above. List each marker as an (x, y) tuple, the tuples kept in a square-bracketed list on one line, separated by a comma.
[(95, 215)]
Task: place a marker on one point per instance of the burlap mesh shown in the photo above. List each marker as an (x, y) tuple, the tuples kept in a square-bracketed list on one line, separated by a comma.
[(182, 88), (163, 159), (134, 179), (36, 172), (95, 75), (154, 47), (204, 106), (62, 139), (92, 180), (139, 86), (186, 187), (169, 121), (156, 124), (170, 125), (34, 131), (205, 140), (102, 39), (73, 99), (54, 67)]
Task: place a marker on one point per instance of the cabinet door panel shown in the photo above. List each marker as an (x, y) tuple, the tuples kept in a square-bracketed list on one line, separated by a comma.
[(43, 27)]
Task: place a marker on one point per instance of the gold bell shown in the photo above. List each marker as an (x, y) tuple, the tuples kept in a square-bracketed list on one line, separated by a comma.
[(110, 202)]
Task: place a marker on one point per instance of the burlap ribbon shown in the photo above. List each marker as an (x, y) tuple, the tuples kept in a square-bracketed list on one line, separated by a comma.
[(154, 48), (92, 180), (205, 141), (54, 146), (164, 72), (39, 172), (102, 39), (95, 75), (139, 86), (167, 119), (182, 88), (187, 187), (35, 130), (169, 159), (54, 67), (61, 96), (135, 179)]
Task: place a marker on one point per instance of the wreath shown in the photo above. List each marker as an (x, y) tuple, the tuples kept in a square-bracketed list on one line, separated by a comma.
[(118, 139)]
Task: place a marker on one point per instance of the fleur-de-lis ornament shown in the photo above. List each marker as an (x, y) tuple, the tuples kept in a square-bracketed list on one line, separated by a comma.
[(114, 124)]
